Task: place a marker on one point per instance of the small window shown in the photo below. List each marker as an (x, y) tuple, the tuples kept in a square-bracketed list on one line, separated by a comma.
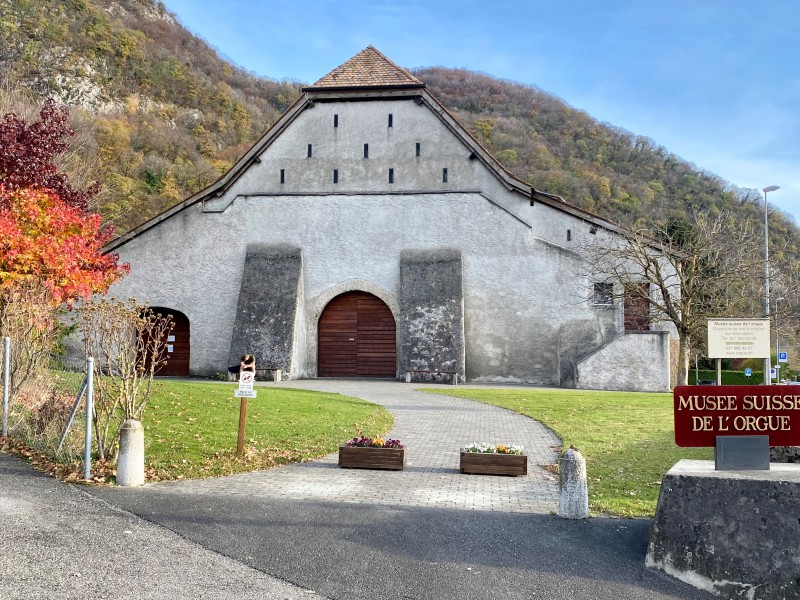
[(444, 175), (309, 151), (603, 294), (366, 150), (336, 176), (283, 176), (391, 175), (569, 235), (335, 120), (390, 119), (418, 149)]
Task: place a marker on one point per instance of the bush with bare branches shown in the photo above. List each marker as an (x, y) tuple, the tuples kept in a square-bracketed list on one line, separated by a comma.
[(128, 343)]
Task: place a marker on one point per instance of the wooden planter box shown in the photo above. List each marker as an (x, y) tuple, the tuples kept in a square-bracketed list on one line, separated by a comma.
[(353, 457), (483, 463)]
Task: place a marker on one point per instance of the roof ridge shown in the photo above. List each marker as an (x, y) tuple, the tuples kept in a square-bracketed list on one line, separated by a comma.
[(370, 68)]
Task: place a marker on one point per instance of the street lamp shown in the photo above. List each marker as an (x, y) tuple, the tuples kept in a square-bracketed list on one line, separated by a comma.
[(777, 342), (766, 190)]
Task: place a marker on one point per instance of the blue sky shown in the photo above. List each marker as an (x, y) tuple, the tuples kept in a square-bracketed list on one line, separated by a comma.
[(716, 82)]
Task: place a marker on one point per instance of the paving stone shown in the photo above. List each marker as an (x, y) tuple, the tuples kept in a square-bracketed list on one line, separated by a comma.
[(433, 428)]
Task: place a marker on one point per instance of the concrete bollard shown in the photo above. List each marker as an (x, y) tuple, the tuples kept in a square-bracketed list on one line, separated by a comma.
[(573, 502), (130, 462)]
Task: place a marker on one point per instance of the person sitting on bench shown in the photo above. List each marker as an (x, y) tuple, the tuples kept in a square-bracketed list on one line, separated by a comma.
[(248, 363)]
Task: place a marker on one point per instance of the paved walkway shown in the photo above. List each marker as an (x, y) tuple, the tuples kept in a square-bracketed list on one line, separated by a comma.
[(433, 428)]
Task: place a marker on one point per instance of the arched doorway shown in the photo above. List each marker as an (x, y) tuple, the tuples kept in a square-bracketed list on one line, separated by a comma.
[(177, 344), (357, 338)]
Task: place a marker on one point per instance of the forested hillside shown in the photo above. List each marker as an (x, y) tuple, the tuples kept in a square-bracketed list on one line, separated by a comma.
[(166, 116), (160, 116)]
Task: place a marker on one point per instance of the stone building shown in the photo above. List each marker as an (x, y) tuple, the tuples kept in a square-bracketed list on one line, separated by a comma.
[(368, 234)]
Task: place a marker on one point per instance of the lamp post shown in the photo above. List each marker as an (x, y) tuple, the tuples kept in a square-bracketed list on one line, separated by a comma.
[(777, 342), (766, 190)]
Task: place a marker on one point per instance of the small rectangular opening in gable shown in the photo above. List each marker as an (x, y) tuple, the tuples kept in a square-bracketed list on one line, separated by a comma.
[(366, 150), (335, 120), (336, 176), (390, 120), (283, 176), (418, 148), (309, 151), (444, 175), (391, 175)]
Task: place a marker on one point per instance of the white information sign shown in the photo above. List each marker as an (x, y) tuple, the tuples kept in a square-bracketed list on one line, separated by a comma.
[(246, 379), (738, 338)]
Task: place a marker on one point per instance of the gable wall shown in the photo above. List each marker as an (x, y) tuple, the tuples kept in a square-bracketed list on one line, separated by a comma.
[(525, 314)]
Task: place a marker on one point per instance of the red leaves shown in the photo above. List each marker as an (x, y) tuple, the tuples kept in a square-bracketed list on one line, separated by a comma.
[(27, 153), (44, 238)]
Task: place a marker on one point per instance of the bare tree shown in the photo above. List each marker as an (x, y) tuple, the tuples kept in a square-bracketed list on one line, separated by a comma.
[(30, 318), (684, 272), (128, 342)]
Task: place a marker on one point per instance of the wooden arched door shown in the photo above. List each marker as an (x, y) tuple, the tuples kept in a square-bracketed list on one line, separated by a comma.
[(177, 342), (357, 338)]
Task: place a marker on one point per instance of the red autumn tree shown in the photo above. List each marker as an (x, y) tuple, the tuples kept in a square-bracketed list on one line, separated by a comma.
[(27, 154), (45, 239)]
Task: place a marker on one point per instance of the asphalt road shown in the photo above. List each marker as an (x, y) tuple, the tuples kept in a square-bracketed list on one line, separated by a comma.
[(354, 551), (59, 542)]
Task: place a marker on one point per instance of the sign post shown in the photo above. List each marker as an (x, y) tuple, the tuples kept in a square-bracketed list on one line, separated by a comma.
[(245, 391)]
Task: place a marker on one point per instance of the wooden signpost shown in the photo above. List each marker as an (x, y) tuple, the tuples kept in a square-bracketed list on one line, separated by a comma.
[(245, 391)]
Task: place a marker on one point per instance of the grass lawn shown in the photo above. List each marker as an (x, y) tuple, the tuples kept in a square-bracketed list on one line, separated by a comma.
[(191, 428), (626, 438)]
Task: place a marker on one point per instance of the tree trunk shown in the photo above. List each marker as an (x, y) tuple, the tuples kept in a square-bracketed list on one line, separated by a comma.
[(683, 360)]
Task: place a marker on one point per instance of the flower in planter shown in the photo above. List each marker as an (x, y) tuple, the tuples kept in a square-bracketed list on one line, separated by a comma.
[(494, 449), (376, 442)]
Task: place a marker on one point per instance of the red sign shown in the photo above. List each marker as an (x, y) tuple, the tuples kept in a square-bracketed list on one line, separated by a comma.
[(702, 412)]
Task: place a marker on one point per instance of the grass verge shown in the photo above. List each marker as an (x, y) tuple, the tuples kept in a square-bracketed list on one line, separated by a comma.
[(626, 438), (191, 428)]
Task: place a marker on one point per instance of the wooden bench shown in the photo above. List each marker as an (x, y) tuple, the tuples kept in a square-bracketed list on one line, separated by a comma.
[(261, 374), (454, 374), (276, 373)]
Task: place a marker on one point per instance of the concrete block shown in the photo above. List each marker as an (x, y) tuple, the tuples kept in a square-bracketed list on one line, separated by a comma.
[(634, 361), (130, 461), (733, 533), (573, 497)]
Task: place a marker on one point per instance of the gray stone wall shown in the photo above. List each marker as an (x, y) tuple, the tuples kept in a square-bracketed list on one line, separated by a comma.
[(633, 361), (267, 306), (431, 326), (733, 533)]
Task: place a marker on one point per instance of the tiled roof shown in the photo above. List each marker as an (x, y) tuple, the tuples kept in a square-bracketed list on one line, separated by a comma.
[(368, 68)]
